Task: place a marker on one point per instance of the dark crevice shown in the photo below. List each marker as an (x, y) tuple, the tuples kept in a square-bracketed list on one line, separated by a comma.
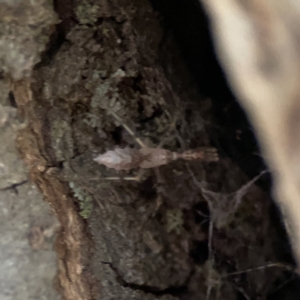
[(287, 288), (190, 27), (117, 134), (60, 164), (201, 212), (200, 215), (230, 131), (282, 246), (14, 186), (147, 189), (156, 114), (173, 290), (138, 85), (67, 18), (2, 75), (56, 40), (12, 100), (199, 252), (241, 296)]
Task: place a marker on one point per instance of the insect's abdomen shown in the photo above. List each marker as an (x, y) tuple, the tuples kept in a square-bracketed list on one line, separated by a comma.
[(120, 159), (155, 157)]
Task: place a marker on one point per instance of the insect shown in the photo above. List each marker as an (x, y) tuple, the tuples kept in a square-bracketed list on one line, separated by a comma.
[(125, 159)]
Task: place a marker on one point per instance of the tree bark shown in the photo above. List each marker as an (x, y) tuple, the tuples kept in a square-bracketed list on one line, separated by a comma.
[(177, 232)]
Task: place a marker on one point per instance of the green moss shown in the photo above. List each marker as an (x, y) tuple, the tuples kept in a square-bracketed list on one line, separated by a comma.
[(87, 13), (85, 200), (174, 221), (108, 97)]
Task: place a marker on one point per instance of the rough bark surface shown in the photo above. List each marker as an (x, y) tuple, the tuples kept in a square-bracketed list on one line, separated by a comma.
[(180, 232)]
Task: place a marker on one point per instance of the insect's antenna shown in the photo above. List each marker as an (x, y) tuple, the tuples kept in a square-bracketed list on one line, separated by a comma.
[(138, 140)]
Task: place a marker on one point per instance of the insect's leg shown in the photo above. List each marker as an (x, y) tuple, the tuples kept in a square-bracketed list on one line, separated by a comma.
[(122, 178), (172, 128), (166, 140), (138, 177), (138, 140)]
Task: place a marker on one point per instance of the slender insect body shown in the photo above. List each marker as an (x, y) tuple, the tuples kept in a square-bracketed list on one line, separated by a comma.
[(146, 158)]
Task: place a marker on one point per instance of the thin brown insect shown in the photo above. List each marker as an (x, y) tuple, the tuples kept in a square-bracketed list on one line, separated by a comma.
[(145, 158)]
